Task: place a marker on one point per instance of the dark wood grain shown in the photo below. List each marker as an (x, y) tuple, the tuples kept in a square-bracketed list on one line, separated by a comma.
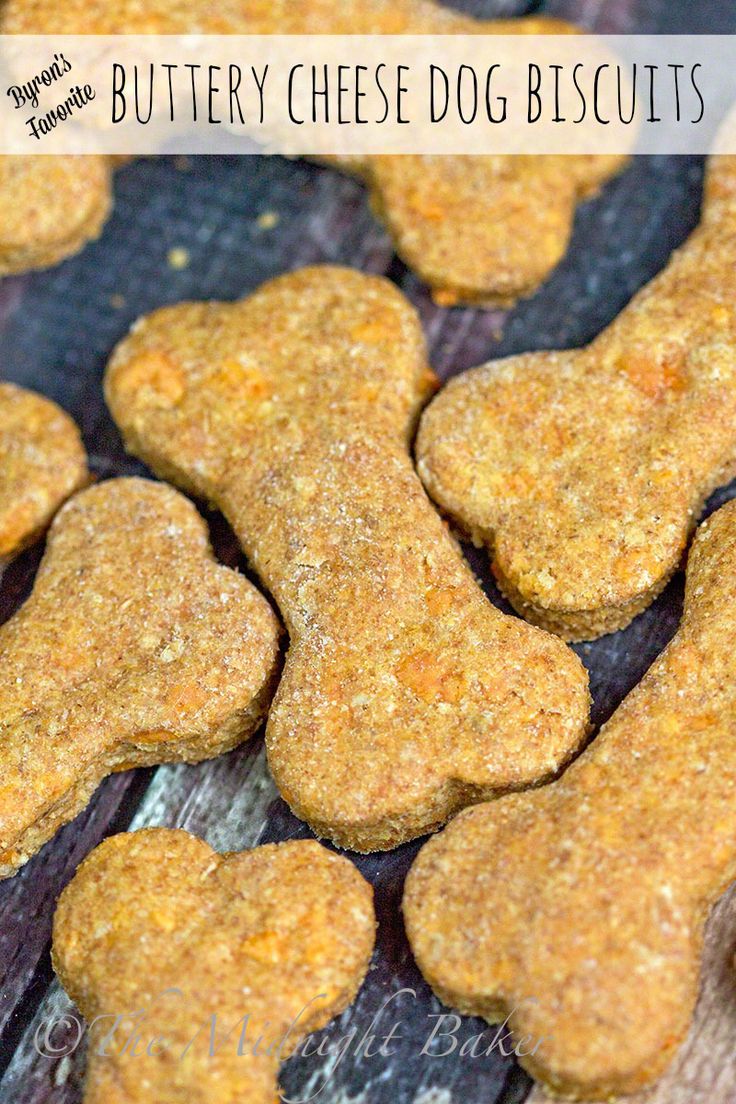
[(56, 330)]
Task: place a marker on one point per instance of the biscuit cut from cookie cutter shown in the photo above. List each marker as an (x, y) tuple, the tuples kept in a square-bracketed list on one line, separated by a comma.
[(156, 922), (134, 648), (482, 230), (406, 695), (579, 909), (42, 462), (52, 207), (583, 472)]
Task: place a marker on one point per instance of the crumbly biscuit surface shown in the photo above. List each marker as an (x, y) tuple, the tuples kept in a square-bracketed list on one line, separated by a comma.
[(584, 472), (579, 908), (406, 694), (481, 230), (50, 207), (157, 922), (42, 462), (134, 648)]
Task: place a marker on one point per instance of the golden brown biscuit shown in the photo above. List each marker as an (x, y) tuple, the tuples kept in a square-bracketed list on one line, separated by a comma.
[(42, 462), (479, 230), (580, 908), (482, 230), (50, 207), (406, 695), (584, 471), (340, 17), (103, 17), (157, 921), (134, 648)]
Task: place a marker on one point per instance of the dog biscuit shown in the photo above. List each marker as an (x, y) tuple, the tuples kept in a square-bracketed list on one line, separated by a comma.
[(482, 230), (51, 207), (155, 921), (135, 648), (406, 694), (583, 472), (42, 462), (580, 908)]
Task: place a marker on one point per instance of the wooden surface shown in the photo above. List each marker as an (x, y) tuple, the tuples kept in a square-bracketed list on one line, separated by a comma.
[(56, 330)]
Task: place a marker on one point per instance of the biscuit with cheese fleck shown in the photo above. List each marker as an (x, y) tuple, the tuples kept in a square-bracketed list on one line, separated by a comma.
[(42, 462), (583, 472), (51, 207), (406, 694), (214, 952), (134, 648), (580, 908)]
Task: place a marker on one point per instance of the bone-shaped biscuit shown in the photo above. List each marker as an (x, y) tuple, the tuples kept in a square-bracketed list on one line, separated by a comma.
[(406, 695), (281, 935), (42, 462), (481, 230), (583, 472), (580, 908), (134, 648)]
